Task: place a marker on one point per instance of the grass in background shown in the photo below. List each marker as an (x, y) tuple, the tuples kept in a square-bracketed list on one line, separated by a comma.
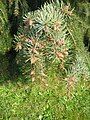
[(45, 100)]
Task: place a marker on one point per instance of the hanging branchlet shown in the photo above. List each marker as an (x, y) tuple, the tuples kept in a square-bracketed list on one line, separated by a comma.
[(44, 41), (70, 86)]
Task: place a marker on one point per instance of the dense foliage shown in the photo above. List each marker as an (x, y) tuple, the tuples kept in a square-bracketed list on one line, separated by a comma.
[(45, 59), (5, 38), (43, 41)]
